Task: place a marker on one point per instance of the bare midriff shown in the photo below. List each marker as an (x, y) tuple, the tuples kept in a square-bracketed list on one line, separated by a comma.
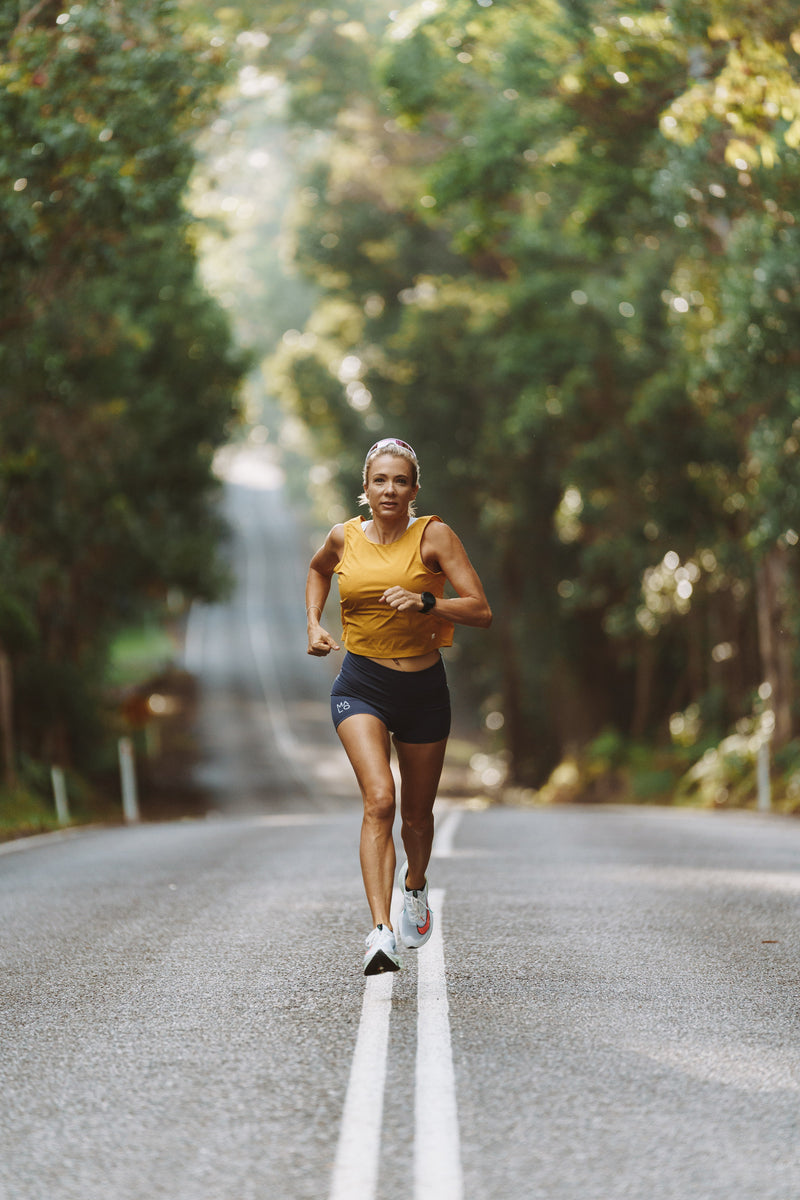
[(417, 662)]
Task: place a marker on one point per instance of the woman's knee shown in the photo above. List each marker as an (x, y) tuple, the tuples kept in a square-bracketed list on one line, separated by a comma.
[(418, 823), (379, 804)]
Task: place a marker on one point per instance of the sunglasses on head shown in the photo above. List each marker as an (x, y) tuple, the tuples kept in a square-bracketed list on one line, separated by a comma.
[(391, 441)]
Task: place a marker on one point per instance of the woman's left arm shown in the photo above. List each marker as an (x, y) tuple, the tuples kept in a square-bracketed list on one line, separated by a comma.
[(443, 551)]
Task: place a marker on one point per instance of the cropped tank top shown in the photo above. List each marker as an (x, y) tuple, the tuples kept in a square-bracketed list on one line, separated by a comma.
[(366, 569)]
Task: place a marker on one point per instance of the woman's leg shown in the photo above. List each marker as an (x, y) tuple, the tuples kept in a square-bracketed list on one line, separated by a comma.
[(366, 742), (420, 770)]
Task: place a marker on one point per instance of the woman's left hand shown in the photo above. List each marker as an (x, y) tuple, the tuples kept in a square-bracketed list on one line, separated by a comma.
[(401, 599)]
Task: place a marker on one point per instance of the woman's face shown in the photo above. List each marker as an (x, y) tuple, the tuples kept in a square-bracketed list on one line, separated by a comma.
[(390, 487)]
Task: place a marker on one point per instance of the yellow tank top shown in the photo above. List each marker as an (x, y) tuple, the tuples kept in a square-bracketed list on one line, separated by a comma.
[(365, 571)]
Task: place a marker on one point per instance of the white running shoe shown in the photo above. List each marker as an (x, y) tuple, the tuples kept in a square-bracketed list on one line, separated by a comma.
[(381, 952), (416, 919)]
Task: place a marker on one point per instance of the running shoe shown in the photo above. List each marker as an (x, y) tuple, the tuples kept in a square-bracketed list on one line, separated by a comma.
[(381, 952), (416, 919)]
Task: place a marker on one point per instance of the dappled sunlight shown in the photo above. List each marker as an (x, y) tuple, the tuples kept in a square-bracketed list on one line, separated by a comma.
[(405, 23), (249, 466), (559, 250), (567, 516), (667, 588)]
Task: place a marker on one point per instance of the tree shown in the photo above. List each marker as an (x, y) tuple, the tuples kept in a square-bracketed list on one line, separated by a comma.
[(736, 130), (554, 243), (488, 324), (118, 371)]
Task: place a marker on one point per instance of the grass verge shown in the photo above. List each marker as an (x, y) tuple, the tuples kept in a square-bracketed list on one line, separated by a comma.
[(23, 813)]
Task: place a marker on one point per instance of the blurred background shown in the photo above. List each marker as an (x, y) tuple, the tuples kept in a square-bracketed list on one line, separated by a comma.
[(554, 244)]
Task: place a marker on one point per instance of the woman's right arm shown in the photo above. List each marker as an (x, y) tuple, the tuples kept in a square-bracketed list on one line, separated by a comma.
[(318, 585)]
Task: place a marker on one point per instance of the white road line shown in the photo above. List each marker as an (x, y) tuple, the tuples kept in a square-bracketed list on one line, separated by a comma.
[(443, 842), (437, 1143), (437, 1146), (355, 1171)]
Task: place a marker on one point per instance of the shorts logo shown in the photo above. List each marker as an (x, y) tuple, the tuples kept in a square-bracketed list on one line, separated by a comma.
[(342, 705)]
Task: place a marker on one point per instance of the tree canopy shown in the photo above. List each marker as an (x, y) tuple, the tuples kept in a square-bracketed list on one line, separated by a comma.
[(552, 243), (554, 247), (118, 370)]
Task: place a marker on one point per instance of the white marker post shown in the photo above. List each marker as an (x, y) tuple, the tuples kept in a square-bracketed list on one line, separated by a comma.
[(127, 773), (766, 730), (60, 794)]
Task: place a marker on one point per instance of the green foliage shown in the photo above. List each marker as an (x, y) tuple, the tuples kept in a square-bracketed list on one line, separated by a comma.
[(555, 247), (24, 812), (118, 371), (138, 655)]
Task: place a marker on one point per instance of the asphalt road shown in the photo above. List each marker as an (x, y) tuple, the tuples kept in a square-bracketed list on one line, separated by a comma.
[(264, 727), (180, 1006), (608, 1009)]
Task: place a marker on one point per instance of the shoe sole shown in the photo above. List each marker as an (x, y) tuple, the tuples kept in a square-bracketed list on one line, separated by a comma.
[(381, 964)]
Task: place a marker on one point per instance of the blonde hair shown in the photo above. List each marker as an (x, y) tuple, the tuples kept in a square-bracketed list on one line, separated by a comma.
[(398, 450)]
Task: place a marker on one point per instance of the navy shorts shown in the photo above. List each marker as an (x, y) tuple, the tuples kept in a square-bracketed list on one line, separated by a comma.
[(413, 705)]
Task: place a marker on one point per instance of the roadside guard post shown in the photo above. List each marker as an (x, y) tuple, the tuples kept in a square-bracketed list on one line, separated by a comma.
[(763, 784), (60, 795), (127, 773)]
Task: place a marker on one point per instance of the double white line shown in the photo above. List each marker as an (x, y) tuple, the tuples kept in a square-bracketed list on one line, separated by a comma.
[(437, 1151)]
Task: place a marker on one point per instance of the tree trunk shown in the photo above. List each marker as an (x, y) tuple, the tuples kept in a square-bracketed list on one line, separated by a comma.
[(7, 720), (646, 663), (774, 640), (517, 737)]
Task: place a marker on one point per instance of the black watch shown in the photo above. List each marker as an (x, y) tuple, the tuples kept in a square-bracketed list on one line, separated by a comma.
[(428, 601)]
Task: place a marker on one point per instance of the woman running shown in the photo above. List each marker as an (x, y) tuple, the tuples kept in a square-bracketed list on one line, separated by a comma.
[(392, 572)]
